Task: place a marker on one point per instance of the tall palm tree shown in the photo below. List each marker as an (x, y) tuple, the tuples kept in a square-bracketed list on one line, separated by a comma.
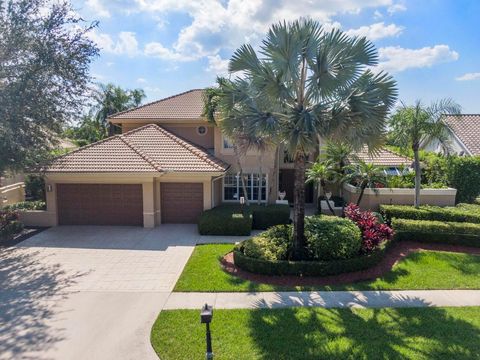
[(306, 82), (366, 175), (413, 125)]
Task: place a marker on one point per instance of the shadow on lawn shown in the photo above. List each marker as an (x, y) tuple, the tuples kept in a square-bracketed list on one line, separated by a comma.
[(392, 333), (30, 287)]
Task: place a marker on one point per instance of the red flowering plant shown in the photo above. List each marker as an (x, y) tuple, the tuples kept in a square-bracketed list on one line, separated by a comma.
[(373, 232)]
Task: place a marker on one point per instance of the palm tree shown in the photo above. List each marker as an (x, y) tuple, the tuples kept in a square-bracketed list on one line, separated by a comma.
[(366, 175), (308, 83), (322, 172), (414, 125)]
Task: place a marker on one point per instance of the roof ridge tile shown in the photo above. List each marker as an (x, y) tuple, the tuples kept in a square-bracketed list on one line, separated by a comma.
[(142, 154)]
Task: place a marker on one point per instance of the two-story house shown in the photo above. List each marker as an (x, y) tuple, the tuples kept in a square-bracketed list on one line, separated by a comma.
[(167, 166)]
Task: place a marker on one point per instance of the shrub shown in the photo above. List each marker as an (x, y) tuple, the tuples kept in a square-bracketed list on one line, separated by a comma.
[(9, 224), (308, 268), (437, 231), (35, 187), (330, 237), (464, 175), (426, 212), (374, 232), (225, 220), (27, 205), (273, 244), (270, 215)]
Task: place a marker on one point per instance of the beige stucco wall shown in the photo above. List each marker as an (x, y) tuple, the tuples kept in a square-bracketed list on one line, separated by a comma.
[(12, 194), (372, 200)]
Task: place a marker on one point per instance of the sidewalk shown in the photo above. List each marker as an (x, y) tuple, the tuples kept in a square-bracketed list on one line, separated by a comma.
[(326, 299)]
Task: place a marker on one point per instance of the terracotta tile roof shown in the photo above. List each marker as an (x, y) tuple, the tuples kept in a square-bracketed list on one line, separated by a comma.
[(185, 106), (383, 157), (149, 148), (467, 128)]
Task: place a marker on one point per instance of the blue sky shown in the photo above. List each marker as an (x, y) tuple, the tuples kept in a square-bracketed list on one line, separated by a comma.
[(431, 47)]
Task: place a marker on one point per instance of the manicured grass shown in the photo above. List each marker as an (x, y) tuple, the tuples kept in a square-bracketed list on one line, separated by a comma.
[(420, 270), (315, 333)]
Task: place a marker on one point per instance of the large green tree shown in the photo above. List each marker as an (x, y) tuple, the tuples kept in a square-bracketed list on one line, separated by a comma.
[(44, 76), (305, 83), (108, 99), (412, 126)]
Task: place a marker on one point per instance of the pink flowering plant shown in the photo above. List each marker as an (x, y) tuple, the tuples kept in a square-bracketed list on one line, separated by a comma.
[(373, 232)]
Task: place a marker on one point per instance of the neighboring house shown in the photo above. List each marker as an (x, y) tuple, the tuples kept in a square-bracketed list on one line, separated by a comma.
[(168, 165), (393, 163), (464, 139)]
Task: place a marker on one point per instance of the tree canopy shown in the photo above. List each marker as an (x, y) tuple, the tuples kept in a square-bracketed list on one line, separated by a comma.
[(45, 56)]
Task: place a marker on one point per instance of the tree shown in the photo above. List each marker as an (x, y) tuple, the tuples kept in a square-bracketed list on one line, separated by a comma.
[(44, 77), (111, 99), (321, 173), (307, 83), (366, 175), (413, 125)]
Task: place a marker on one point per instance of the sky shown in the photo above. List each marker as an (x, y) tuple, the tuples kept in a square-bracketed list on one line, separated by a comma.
[(165, 47)]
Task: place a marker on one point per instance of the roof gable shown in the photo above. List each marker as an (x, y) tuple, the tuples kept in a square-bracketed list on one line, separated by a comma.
[(149, 148), (184, 106), (467, 129), (383, 157)]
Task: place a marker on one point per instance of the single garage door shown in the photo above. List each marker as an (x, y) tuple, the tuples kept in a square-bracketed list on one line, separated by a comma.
[(181, 202), (100, 204)]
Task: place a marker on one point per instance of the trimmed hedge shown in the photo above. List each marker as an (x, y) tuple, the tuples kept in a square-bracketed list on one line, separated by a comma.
[(464, 175), (270, 215), (225, 220), (308, 268), (455, 233), (433, 213)]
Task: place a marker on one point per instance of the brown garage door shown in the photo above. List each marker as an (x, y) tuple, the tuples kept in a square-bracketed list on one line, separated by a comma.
[(181, 202), (100, 204)]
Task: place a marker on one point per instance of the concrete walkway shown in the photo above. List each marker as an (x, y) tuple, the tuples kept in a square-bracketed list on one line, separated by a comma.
[(326, 299)]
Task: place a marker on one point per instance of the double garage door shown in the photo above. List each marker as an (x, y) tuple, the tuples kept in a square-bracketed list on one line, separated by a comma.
[(122, 204)]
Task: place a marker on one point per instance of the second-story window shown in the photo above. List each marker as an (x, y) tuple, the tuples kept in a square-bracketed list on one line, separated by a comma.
[(227, 143)]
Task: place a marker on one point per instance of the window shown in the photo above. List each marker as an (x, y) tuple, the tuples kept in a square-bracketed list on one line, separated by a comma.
[(227, 143), (255, 184), (201, 130), (392, 171)]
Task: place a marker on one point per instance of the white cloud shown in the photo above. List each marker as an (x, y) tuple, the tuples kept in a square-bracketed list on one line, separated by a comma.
[(97, 7), (392, 9), (126, 43), (218, 24), (469, 76), (396, 58), (377, 15), (217, 65), (377, 31), (142, 80)]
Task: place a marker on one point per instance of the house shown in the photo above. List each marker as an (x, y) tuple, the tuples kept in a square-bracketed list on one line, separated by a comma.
[(167, 166), (391, 162), (464, 135)]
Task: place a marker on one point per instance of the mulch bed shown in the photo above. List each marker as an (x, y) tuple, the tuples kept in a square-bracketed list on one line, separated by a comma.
[(395, 254), (26, 233)]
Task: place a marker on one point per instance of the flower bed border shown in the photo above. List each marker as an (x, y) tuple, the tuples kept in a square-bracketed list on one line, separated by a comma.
[(309, 268)]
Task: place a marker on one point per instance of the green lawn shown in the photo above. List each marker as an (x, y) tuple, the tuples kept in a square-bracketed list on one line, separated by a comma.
[(420, 270), (315, 333)]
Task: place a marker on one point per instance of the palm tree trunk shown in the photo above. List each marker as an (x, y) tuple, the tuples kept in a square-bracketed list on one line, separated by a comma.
[(362, 191), (240, 173), (418, 176), (299, 207)]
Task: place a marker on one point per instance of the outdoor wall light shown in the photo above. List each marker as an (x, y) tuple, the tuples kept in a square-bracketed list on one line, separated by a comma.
[(206, 315), (242, 202), (49, 188)]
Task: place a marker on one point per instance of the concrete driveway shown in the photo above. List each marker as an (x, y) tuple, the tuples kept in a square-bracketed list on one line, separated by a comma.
[(88, 292)]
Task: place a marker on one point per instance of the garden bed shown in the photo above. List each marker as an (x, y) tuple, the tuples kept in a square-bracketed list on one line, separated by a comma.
[(391, 256)]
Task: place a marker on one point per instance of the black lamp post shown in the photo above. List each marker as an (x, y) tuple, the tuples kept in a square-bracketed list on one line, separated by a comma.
[(206, 315)]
